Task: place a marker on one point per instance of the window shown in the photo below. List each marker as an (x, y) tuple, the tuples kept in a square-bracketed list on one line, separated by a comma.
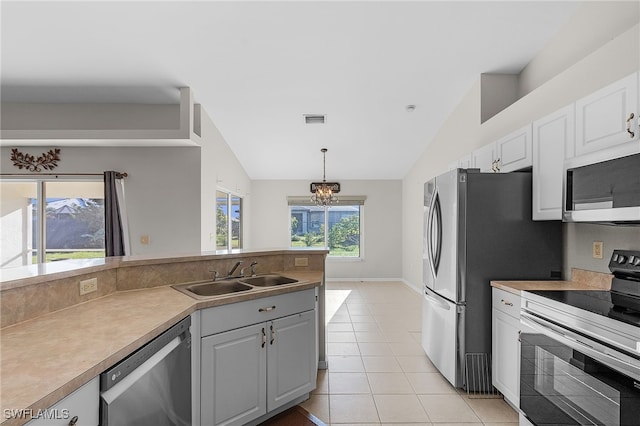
[(44, 221), (337, 227), (228, 221)]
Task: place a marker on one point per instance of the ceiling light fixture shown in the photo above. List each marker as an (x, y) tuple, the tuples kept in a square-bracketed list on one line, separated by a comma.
[(323, 192)]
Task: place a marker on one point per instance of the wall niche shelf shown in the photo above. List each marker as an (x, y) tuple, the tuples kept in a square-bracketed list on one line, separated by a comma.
[(182, 128)]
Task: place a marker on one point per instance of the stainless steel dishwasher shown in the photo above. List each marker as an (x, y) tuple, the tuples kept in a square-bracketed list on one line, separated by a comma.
[(152, 386)]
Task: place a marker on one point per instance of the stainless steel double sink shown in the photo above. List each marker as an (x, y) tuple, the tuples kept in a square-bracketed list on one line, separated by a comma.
[(209, 288)]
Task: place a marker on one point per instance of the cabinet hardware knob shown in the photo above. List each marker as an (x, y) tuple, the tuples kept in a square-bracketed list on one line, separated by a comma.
[(506, 303), (495, 165), (73, 421), (267, 309), (631, 133)]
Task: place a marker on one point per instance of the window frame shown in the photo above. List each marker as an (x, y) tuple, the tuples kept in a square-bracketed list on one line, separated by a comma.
[(41, 206), (344, 201), (230, 196)]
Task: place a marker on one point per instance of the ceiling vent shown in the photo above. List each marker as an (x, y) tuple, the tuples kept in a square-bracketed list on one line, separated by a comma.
[(314, 118)]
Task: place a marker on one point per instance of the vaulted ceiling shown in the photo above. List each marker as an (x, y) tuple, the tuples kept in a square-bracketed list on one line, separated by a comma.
[(258, 67)]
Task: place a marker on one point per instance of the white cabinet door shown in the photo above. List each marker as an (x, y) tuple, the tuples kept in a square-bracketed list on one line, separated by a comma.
[(506, 356), (505, 344), (465, 162), (291, 358), (551, 135), (233, 376), (83, 404), (513, 151), (483, 158), (601, 118)]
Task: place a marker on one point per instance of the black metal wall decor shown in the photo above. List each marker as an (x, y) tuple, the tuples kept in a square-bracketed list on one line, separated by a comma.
[(47, 160)]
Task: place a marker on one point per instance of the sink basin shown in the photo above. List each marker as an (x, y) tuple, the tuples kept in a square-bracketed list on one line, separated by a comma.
[(212, 288), (268, 280)]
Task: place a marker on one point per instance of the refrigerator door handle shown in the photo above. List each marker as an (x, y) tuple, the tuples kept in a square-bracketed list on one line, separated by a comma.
[(436, 301), (427, 226), (434, 220)]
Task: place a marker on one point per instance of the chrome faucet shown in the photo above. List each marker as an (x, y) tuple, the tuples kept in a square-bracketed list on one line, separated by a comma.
[(252, 269), (234, 268)]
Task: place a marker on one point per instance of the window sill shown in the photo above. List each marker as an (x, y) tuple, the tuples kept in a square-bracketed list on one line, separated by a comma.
[(345, 259)]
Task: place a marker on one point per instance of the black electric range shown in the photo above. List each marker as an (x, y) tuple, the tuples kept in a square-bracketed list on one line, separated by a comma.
[(621, 303)]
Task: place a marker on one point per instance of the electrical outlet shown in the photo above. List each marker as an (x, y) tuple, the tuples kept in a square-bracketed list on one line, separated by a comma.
[(301, 261), (88, 286), (598, 249)]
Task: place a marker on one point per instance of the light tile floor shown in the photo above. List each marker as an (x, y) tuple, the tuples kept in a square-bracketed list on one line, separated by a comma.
[(378, 372)]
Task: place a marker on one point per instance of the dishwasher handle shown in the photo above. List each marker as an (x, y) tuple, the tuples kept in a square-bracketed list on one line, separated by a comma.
[(119, 371), (119, 388)]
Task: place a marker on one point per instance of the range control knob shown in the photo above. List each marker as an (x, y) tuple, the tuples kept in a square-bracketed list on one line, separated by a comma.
[(614, 258), (622, 259), (634, 260)]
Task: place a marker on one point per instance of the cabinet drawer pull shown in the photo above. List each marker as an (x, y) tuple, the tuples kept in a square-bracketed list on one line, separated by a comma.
[(264, 337), (631, 133), (267, 309), (505, 302), (273, 335)]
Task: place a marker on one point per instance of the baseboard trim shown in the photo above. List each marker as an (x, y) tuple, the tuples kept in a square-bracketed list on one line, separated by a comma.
[(374, 280)]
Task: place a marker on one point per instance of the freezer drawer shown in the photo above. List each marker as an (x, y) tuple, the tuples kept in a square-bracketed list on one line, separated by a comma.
[(442, 337)]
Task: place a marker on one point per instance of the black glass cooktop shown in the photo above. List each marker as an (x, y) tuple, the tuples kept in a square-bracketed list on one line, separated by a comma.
[(613, 305)]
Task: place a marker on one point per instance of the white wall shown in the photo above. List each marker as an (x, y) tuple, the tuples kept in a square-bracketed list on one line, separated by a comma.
[(170, 191), (162, 190), (462, 133), (381, 241), (220, 169)]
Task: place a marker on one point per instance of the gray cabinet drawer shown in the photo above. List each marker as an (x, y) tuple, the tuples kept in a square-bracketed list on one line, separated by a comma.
[(228, 317), (506, 302)]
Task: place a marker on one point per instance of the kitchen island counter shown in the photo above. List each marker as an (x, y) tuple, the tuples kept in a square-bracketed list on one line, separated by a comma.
[(46, 358)]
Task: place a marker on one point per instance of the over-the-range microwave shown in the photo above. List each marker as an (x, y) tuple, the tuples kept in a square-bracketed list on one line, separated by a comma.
[(603, 192)]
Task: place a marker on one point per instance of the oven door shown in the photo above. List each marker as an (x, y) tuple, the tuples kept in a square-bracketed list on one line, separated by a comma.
[(565, 381)]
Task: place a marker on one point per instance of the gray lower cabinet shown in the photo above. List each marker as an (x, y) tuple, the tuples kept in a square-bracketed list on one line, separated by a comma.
[(233, 376), (291, 358), (252, 370)]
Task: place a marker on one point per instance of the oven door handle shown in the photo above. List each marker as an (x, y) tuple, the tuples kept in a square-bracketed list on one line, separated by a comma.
[(589, 348)]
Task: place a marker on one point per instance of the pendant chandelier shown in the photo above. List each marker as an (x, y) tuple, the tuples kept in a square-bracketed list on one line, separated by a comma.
[(323, 192)]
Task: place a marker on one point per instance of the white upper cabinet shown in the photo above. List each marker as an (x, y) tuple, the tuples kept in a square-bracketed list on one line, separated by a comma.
[(607, 118), (484, 158), (550, 136), (462, 163), (465, 162), (513, 152)]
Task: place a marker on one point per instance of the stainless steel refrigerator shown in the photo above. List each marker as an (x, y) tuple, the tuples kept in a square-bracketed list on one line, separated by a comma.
[(477, 228)]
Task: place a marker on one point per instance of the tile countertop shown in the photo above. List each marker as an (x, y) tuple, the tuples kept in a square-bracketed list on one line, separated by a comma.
[(580, 280), (48, 357)]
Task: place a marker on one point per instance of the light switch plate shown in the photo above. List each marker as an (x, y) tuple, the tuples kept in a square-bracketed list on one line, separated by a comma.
[(598, 249)]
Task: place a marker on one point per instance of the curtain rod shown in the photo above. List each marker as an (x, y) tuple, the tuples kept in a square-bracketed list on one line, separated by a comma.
[(119, 175)]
